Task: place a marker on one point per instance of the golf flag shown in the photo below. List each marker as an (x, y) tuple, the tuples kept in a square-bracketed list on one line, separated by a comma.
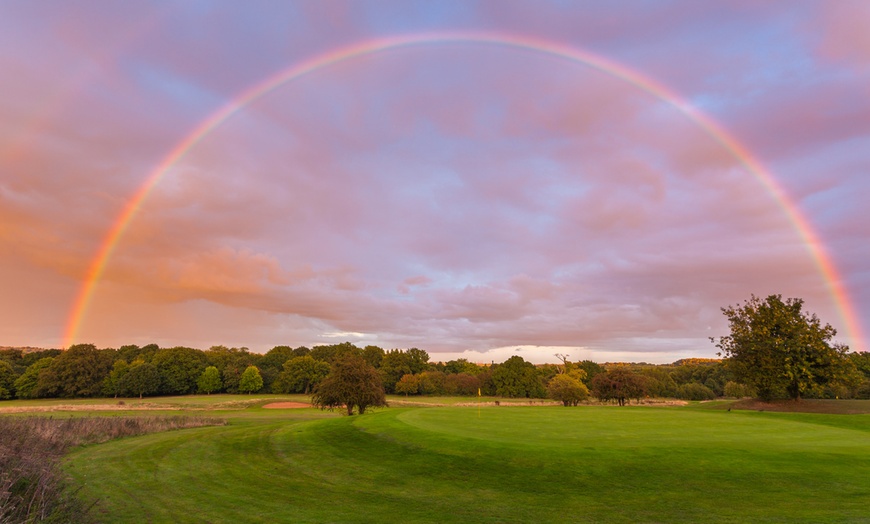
[(478, 392)]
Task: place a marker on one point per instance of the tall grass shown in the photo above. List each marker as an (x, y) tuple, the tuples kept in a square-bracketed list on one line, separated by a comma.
[(31, 484)]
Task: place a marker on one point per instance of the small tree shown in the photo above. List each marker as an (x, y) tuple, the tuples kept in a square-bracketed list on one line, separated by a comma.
[(567, 389), (351, 383), (250, 381), (210, 380), (408, 385)]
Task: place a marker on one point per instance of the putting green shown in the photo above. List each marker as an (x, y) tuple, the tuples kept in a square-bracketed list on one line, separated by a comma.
[(518, 464)]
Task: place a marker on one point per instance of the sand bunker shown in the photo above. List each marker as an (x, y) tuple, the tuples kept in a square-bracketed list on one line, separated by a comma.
[(287, 405)]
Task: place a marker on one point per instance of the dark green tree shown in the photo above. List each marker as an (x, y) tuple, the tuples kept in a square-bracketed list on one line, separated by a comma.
[(77, 372), (351, 383), (780, 350), (210, 380), (26, 386), (179, 368), (516, 378), (373, 355), (250, 381), (7, 380), (300, 374), (141, 379), (112, 383)]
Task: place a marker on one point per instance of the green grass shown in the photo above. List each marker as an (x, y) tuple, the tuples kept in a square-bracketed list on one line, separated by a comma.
[(455, 464)]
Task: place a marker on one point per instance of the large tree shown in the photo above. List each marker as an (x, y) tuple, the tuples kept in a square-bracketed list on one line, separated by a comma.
[(517, 378), (779, 349), (567, 389), (351, 383), (300, 375)]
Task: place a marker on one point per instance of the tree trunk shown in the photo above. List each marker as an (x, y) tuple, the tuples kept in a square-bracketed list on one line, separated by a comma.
[(349, 410)]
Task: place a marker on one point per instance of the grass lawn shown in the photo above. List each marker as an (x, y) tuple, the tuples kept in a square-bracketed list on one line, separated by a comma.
[(463, 464)]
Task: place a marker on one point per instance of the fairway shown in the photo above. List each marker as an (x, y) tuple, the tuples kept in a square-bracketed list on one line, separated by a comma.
[(519, 464)]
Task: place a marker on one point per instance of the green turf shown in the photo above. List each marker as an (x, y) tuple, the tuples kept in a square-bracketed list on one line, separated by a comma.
[(519, 464)]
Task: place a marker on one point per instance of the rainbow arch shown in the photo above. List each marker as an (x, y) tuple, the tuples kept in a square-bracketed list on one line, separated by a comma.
[(822, 259)]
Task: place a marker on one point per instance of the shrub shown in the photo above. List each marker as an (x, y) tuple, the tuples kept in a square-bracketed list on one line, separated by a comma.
[(695, 391)]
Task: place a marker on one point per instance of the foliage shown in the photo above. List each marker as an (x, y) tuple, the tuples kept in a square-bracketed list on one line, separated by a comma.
[(332, 352), (737, 390), (300, 374), (462, 366), (77, 372), (141, 379), (695, 391), (179, 369), (26, 386), (373, 355), (779, 350), (408, 385), (567, 389), (7, 380), (465, 384), (351, 383), (251, 381), (618, 384), (517, 378), (209, 381)]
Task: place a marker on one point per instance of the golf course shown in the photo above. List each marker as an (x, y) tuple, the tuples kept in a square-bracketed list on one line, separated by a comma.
[(702, 462)]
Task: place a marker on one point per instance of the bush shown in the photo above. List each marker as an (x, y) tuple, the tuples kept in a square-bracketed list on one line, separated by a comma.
[(695, 391)]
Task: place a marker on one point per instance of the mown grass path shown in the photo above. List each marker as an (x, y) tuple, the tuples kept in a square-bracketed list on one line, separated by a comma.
[(536, 464)]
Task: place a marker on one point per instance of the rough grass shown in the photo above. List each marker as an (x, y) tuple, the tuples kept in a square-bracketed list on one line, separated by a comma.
[(454, 464), (31, 485)]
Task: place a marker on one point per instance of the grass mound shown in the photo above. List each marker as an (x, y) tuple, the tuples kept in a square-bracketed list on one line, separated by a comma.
[(543, 464), (31, 486)]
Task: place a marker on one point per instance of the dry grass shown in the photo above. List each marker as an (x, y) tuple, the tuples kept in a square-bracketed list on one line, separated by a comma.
[(31, 486)]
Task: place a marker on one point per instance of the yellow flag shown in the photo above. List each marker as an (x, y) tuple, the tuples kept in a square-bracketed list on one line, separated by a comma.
[(478, 392)]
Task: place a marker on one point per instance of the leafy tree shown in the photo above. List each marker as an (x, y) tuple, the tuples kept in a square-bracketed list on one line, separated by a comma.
[(331, 353), (179, 369), (7, 380), (461, 384), (591, 369), (567, 390), (300, 375), (251, 381), (620, 384), (210, 380), (462, 366), (351, 383), (735, 390), (779, 350), (517, 378), (695, 391), (373, 355), (26, 386), (141, 379), (112, 383), (77, 372), (408, 385)]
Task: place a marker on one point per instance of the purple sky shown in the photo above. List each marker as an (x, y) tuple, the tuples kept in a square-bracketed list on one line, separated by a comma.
[(471, 200)]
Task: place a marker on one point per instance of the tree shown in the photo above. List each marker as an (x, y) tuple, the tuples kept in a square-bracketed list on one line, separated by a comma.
[(351, 383), (26, 385), (77, 372), (179, 368), (408, 385), (300, 375), (567, 390), (141, 379), (517, 378), (7, 380), (112, 383), (210, 380), (618, 384), (251, 381), (779, 350)]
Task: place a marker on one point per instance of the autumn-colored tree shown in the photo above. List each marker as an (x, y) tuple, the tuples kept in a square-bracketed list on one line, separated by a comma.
[(351, 383), (618, 384), (408, 385), (567, 389)]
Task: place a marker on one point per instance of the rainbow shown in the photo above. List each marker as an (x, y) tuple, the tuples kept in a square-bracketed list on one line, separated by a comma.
[(816, 248)]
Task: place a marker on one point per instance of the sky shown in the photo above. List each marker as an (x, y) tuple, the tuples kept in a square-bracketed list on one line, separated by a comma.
[(475, 179)]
